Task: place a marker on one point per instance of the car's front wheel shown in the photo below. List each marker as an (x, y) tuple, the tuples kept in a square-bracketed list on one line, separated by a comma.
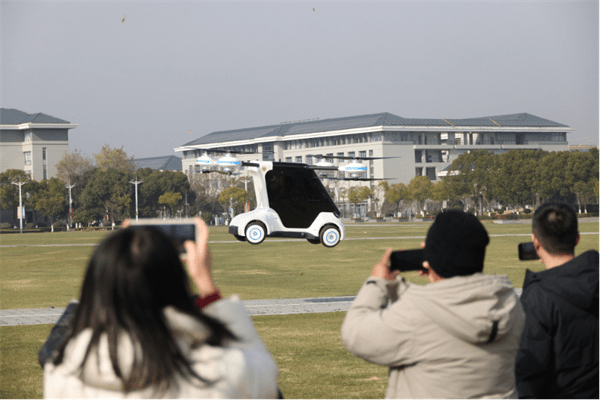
[(256, 233), (330, 236)]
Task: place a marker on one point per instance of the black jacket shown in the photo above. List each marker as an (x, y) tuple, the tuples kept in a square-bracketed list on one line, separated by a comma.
[(558, 355)]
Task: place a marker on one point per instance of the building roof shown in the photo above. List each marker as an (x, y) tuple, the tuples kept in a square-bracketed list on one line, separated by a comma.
[(170, 163), (10, 116), (371, 120)]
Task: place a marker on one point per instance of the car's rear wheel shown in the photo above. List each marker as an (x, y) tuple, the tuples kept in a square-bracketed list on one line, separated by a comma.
[(256, 233), (330, 236)]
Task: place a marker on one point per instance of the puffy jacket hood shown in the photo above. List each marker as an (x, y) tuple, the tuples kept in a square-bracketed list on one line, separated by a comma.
[(477, 308), (98, 371), (575, 281)]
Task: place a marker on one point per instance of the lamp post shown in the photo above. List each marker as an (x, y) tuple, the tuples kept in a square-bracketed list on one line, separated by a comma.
[(20, 184), (69, 186), (136, 183)]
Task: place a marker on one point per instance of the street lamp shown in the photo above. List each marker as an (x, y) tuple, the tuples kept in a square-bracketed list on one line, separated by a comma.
[(19, 184), (136, 183), (69, 186)]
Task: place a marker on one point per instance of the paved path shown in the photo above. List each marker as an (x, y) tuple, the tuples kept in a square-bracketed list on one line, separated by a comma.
[(40, 316)]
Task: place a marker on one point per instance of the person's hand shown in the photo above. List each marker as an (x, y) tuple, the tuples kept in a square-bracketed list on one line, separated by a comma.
[(382, 269), (198, 260)]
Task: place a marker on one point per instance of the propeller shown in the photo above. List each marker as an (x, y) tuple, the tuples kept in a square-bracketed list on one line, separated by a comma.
[(355, 168), (227, 164)]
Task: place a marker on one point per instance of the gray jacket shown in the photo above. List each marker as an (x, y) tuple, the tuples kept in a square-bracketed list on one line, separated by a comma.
[(456, 338)]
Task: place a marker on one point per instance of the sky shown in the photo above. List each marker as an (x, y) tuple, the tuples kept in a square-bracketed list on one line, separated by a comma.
[(151, 76)]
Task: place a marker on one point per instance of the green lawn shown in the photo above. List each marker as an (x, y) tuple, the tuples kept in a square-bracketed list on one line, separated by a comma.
[(308, 349)]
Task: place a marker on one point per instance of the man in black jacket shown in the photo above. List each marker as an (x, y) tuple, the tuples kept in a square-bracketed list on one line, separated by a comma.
[(558, 355)]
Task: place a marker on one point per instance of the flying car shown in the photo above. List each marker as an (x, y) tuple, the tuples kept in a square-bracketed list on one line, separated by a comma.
[(291, 202)]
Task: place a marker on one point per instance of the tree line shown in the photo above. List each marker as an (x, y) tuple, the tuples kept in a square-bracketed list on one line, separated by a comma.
[(103, 188), (480, 180)]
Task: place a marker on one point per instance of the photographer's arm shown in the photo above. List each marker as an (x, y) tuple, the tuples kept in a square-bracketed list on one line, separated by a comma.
[(258, 370), (199, 265), (371, 330)]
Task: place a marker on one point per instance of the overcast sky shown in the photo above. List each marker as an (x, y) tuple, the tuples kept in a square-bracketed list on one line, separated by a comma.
[(154, 75)]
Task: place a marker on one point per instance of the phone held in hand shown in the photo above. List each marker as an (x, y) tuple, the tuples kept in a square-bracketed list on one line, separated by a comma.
[(407, 260), (527, 252), (178, 231)]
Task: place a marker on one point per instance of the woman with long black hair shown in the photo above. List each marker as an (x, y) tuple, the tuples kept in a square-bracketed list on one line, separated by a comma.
[(137, 331)]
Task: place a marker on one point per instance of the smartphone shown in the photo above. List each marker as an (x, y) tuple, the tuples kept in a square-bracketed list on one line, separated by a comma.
[(407, 260), (177, 230), (527, 252)]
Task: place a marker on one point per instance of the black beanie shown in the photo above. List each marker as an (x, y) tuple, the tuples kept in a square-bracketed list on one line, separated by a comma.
[(455, 244)]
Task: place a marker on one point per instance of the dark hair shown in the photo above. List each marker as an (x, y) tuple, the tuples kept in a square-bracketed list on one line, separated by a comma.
[(131, 277), (555, 226), (455, 244)]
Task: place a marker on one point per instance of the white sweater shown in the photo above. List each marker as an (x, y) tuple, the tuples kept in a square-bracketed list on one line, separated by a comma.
[(242, 368)]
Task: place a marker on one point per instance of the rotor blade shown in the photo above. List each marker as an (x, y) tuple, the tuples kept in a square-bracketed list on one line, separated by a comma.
[(360, 179), (226, 151), (349, 157), (323, 168)]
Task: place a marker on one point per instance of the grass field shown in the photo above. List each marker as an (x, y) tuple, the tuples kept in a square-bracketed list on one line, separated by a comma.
[(308, 350)]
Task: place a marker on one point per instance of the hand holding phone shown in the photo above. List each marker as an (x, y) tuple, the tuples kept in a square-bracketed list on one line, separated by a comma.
[(527, 252), (179, 231), (407, 260)]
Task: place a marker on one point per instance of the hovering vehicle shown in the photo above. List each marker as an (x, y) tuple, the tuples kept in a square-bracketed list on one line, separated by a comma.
[(291, 200)]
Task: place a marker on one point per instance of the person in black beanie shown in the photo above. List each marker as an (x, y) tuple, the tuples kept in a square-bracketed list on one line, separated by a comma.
[(455, 337), (455, 244)]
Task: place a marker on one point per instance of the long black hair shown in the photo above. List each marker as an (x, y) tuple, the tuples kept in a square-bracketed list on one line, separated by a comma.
[(131, 277)]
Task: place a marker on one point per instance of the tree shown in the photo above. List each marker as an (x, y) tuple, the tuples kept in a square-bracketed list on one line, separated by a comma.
[(50, 199), (113, 158), (9, 193), (441, 191), (157, 183), (233, 198), (516, 177), (107, 191), (471, 176), (394, 193), (419, 189), (73, 167), (357, 194), (171, 200)]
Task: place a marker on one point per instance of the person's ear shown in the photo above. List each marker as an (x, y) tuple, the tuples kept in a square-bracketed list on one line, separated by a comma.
[(536, 243), (577, 241)]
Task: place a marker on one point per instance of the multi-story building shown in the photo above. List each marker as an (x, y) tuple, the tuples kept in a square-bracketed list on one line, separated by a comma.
[(414, 146), (33, 143)]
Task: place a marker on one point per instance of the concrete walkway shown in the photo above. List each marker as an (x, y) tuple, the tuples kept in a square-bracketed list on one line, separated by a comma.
[(40, 316)]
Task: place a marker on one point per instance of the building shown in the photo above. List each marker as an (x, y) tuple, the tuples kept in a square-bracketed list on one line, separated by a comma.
[(164, 163), (34, 143), (415, 146)]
